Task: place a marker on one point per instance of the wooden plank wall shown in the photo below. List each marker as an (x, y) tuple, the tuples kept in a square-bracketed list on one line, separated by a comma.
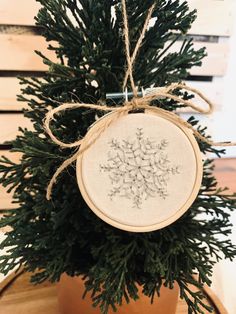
[(19, 38), (214, 27)]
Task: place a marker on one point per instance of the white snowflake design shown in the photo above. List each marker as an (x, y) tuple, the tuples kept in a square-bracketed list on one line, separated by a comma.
[(139, 169)]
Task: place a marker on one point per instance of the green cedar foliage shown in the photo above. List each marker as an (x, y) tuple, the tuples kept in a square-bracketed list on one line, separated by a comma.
[(63, 235)]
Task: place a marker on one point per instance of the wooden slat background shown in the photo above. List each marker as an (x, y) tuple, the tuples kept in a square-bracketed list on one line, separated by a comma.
[(18, 53), (18, 42), (23, 47), (9, 124), (9, 88), (18, 12), (214, 17)]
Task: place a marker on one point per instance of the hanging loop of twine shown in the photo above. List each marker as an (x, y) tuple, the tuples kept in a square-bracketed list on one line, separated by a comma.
[(144, 103), (131, 59)]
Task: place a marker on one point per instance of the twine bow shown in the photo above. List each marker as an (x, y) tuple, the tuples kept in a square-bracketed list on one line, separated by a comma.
[(144, 103)]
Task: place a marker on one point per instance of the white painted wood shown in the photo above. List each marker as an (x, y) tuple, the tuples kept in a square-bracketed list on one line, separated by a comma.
[(9, 124), (214, 17), (9, 89), (17, 53), (18, 12), (222, 122)]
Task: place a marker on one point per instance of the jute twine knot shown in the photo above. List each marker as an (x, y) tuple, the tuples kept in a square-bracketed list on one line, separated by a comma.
[(136, 103), (143, 103)]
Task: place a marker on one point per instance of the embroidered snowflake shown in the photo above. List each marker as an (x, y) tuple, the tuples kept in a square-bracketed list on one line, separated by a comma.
[(138, 169)]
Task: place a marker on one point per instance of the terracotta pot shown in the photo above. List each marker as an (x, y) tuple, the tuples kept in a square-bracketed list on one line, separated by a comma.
[(70, 291)]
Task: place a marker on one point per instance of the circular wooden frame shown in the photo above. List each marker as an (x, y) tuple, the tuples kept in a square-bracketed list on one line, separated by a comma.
[(171, 219)]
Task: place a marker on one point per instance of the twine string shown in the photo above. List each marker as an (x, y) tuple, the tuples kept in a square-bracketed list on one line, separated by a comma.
[(129, 72), (131, 59), (144, 103)]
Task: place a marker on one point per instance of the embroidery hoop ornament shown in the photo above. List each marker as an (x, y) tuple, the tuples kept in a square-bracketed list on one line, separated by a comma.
[(110, 215)]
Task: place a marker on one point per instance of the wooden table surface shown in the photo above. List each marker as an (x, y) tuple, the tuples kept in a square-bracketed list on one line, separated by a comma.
[(22, 298)]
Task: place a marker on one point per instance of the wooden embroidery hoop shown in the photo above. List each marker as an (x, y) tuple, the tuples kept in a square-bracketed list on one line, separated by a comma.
[(196, 187)]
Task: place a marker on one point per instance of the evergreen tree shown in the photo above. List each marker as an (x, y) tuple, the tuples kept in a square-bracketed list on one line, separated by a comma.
[(63, 235)]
